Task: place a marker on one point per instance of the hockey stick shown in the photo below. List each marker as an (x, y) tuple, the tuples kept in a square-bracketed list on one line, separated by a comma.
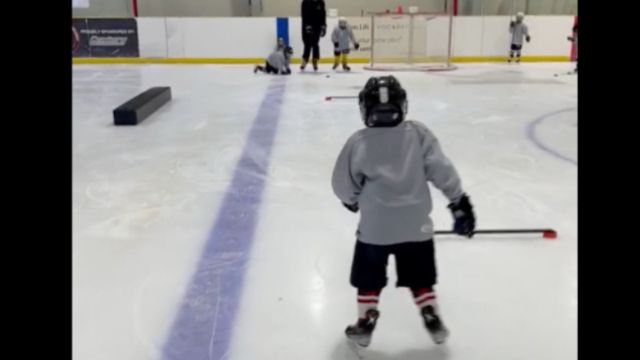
[(567, 73), (546, 233), (570, 38), (329, 98)]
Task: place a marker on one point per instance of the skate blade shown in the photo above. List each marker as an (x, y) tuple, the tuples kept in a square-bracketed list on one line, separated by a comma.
[(440, 337), (355, 348), (360, 340)]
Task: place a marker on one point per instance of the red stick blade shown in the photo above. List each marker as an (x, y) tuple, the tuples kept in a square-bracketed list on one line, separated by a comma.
[(550, 234)]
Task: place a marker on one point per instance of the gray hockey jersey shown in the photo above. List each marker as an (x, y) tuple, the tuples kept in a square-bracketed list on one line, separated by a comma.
[(385, 171), (278, 60), (343, 37), (518, 32)]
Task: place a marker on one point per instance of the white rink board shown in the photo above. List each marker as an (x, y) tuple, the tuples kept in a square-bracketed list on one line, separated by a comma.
[(256, 37), (220, 37), (153, 37), (467, 40)]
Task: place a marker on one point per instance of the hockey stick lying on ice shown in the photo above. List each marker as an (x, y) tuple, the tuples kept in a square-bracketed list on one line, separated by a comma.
[(329, 98), (567, 73), (546, 233)]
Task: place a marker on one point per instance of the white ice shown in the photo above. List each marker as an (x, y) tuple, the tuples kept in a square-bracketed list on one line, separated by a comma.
[(145, 199)]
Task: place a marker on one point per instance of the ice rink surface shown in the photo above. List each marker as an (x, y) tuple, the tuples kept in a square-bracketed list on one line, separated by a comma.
[(210, 231)]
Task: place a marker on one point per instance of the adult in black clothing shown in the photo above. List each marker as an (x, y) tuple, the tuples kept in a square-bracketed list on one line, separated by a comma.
[(314, 26)]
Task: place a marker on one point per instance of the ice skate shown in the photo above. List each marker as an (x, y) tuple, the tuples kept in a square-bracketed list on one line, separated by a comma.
[(439, 333), (315, 65), (361, 332), (346, 68), (303, 65)]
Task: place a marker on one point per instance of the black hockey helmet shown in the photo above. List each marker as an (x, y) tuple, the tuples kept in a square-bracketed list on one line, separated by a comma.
[(383, 102)]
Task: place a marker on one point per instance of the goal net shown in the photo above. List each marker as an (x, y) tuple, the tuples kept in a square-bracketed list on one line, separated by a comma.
[(412, 42)]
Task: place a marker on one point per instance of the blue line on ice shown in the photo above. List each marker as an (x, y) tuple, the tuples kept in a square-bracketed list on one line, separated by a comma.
[(203, 326)]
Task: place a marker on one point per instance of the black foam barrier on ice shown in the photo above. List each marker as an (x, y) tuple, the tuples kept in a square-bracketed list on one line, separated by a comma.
[(140, 107)]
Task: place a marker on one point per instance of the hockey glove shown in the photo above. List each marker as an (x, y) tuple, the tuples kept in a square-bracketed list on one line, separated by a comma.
[(512, 24), (308, 29), (528, 38), (356, 45), (464, 221), (335, 45), (323, 31), (353, 208)]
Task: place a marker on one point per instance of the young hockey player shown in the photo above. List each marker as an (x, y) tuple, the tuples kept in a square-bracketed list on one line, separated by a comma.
[(277, 62), (342, 37), (519, 31), (574, 39), (383, 171)]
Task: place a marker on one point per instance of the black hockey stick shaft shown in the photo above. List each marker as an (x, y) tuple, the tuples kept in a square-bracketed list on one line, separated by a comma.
[(547, 233), (341, 97)]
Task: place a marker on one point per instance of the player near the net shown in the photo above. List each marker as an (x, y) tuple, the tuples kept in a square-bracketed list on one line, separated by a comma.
[(342, 37), (383, 171), (519, 31)]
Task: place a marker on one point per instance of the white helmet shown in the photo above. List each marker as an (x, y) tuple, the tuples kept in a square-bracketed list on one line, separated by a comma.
[(342, 22), (519, 15)]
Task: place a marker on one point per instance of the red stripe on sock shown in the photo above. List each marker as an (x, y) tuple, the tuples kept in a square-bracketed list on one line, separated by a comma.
[(425, 300), (421, 291), (367, 301)]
